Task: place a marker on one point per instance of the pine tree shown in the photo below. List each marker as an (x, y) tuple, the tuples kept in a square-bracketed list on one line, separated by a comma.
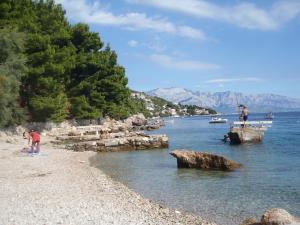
[(69, 73), (12, 68)]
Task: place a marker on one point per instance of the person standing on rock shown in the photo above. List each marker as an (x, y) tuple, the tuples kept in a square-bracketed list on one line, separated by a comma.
[(36, 138), (244, 115)]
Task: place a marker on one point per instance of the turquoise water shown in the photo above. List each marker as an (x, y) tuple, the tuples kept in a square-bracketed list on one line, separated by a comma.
[(270, 176)]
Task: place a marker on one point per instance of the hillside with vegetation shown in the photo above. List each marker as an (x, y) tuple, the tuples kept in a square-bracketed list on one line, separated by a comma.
[(51, 70), (154, 106)]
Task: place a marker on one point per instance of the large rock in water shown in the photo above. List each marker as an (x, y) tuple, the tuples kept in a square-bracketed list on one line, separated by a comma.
[(277, 216), (239, 135), (203, 160)]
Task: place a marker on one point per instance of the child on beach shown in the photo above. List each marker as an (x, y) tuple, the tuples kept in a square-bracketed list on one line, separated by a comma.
[(36, 138)]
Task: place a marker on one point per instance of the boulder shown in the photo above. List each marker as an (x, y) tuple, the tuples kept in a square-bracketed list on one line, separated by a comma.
[(239, 135), (277, 216), (203, 160), (136, 120)]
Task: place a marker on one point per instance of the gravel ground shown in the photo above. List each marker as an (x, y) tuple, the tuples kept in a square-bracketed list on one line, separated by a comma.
[(60, 187)]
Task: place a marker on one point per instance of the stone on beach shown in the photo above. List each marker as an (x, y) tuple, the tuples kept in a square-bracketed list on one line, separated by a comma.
[(274, 216), (277, 216), (61, 187), (203, 160)]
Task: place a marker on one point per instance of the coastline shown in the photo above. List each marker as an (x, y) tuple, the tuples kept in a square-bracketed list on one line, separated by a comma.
[(61, 187)]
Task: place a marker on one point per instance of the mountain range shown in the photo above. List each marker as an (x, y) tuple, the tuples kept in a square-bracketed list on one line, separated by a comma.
[(227, 101)]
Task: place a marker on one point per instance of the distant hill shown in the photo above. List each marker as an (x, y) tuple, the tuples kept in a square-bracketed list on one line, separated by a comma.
[(227, 101), (153, 106)]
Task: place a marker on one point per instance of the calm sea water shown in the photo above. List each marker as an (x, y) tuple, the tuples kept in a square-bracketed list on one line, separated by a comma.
[(270, 176)]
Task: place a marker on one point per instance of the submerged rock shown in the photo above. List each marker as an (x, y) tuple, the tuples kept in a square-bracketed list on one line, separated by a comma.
[(203, 160)]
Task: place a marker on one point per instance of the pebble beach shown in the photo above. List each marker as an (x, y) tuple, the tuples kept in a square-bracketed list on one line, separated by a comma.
[(58, 186)]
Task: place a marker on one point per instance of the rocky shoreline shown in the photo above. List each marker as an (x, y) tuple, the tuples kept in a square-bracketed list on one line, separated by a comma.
[(60, 187), (111, 136)]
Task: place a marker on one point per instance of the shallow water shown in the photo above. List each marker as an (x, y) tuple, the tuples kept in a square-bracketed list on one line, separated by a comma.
[(270, 176)]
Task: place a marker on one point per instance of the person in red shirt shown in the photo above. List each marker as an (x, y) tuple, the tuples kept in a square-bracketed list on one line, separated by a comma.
[(36, 138)]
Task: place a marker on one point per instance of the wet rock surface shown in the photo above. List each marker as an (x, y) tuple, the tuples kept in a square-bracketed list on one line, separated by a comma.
[(203, 160)]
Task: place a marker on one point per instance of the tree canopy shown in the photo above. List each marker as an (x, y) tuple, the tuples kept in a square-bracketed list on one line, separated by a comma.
[(56, 70)]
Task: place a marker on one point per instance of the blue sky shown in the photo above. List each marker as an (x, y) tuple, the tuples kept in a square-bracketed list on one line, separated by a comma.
[(245, 46)]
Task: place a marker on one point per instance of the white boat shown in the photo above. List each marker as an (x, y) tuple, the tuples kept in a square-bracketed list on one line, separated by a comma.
[(218, 120), (269, 116)]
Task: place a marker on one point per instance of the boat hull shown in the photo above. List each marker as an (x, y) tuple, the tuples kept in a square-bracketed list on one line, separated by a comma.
[(217, 121)]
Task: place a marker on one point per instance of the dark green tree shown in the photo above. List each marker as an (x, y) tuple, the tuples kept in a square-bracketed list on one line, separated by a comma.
[(69, 72), (12, 68), (97, 79), (51, 57)]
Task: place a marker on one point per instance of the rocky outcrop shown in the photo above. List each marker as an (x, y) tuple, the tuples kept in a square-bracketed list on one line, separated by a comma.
[(203, 160), (239, 135), (113, 135), (125, 143), (106, 126), (151, 125), (136, 120), (274, 216)]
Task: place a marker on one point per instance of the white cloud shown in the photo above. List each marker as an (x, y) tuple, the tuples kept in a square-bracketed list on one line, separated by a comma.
[(133, 43), (155, 45), (187, 31), (93, 13), (233, 80), (175, 63), (244, 14)]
